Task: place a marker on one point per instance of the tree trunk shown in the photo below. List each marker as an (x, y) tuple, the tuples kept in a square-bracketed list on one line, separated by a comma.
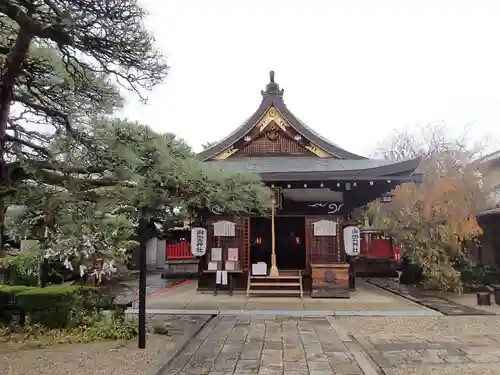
[(3, 211), (8, 74)]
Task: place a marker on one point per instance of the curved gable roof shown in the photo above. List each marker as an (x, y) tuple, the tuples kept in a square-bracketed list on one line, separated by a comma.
[(273, 96), (306, 168)]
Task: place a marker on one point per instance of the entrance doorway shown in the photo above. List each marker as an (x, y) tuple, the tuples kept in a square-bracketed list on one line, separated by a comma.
[(289, 240)]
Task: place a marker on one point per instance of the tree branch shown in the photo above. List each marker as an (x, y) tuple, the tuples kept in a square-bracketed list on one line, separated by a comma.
[(26, 143)]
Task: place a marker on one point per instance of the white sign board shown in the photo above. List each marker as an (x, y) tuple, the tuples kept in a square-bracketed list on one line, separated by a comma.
[(213, 266), (216, 254), (325, 228), (259, 269), (232, 254), (352, 240), (224, 229), (198, 241)]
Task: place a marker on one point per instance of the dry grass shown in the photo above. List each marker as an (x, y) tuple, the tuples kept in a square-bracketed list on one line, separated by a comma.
[(105, 357)]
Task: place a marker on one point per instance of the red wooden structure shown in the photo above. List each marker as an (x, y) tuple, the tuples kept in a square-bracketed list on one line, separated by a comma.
[(179, 250), (376, 247)]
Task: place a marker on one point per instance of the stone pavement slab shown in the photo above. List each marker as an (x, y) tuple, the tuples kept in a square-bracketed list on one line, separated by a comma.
[(366, 298), (268, 345), (128, 290), (177, 325)]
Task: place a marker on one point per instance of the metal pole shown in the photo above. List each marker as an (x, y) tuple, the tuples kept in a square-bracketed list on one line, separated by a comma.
[(274, 269), (142, 279)]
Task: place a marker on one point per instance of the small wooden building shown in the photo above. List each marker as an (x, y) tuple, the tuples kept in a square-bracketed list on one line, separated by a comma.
[(317, 186)]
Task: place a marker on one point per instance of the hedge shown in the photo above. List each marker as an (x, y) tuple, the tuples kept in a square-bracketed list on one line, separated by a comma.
[(53, 306)]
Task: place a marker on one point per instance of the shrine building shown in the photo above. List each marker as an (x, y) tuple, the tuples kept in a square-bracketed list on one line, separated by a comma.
[(317, 187)]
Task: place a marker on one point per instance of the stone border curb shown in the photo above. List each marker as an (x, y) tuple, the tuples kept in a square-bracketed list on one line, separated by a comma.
[(173, 353), (472, 311), (360, 355), (173, 312), (292, 313), (382, 364), (363, 359), (341, 332)]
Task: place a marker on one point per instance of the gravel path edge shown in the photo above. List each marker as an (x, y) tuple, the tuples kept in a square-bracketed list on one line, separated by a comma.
[(173, 353)]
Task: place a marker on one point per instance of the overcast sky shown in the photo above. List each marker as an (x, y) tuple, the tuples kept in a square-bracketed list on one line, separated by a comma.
[(355, 71)]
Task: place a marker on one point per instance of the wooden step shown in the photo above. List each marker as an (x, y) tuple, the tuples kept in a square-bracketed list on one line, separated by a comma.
[(274, 291), (274, 284), (253, 283), (284, 277)]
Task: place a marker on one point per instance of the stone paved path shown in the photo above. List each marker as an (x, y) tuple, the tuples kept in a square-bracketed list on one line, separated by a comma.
[(428, 300), (176, 325), (413, 354), (269, 345), (129, 290)]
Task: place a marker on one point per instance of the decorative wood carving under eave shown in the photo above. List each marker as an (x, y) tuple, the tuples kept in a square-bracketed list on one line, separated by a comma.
[(317, 151), (331, 207), (278, 198), (226, 153), (272, 117)]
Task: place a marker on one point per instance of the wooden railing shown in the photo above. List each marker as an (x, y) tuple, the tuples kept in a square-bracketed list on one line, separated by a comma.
[(181, 250)]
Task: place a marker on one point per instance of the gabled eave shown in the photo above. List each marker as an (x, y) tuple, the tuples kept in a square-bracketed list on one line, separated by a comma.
[(273, 97)]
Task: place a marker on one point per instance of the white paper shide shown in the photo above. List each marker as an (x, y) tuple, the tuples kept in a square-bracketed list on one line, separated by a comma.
[(352, 240), (198, 241)]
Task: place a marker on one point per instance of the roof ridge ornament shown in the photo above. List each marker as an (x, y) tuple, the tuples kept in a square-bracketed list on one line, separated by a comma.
[(272, 88)]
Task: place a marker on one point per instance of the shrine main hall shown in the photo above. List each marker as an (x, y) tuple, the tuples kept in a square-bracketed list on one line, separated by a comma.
[(317, 186)]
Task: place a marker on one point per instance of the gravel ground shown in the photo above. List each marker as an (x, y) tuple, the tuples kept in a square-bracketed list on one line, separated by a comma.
[(470, 369), (432, 326), (110, 358)]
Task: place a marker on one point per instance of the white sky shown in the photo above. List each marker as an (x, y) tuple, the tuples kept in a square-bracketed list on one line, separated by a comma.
[(353, 70)]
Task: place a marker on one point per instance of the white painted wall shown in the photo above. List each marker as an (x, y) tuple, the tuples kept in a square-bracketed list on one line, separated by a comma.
[(160, 253), (151, 252)]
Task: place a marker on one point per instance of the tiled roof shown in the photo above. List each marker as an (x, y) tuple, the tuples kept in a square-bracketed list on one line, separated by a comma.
[(295, 164), (290, 168)]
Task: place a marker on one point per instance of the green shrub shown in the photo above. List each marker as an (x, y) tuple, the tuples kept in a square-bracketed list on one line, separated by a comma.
[(8, 294), (52, 306), (96, 329), (476, 274), (111, 328), (24, 268), (8, 298)]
